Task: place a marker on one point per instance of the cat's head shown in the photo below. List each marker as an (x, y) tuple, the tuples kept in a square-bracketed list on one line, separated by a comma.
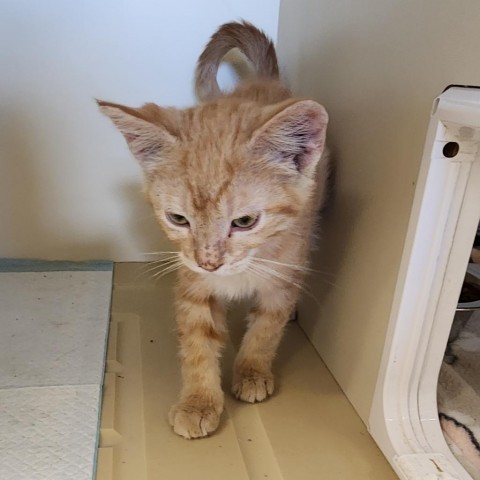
[(226, 178)]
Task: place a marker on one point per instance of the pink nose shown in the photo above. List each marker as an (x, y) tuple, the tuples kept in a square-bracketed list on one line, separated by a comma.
[(210, 267)]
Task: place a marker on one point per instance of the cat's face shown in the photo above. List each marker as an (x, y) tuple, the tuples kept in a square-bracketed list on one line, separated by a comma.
[(225, 180), (219, 219)]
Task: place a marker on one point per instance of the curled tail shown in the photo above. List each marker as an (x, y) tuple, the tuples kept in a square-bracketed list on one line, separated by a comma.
[(256, 46)]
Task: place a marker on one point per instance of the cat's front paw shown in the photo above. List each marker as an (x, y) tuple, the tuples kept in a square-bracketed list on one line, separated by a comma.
[(194, 419), (251, 386)]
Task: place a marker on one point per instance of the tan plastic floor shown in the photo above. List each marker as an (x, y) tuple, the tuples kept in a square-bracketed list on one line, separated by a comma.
[(307, 430)]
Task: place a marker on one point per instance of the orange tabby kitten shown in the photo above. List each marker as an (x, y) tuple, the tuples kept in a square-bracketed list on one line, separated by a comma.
[(236, 183)]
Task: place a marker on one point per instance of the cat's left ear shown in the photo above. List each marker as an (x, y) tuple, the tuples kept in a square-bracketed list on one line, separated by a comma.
[(143, 129), (294, 137)]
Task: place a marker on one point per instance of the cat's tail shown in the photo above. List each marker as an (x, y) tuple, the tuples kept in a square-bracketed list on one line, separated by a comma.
[(257, 47)]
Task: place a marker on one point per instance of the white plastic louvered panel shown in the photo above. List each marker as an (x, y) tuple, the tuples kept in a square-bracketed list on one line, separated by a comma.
[(443, 222), (426, 467)]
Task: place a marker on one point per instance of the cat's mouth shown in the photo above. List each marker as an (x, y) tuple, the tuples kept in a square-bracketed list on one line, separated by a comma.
[(224, 270)]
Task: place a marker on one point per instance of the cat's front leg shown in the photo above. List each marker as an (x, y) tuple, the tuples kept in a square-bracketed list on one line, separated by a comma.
[(252, 376), (201, 325)]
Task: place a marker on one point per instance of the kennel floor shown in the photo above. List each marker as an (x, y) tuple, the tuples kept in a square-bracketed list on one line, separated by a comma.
[(306, 430)]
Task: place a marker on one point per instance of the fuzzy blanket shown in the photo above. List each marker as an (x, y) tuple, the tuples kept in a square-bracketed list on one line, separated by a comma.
[(459, 398)]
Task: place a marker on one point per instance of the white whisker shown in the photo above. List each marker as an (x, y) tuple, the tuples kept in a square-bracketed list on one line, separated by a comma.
[(274, 273), (169, 269), (302, 268), (288, 265), (250, 268), (159, 253), (160, 264), (167, 261), (163, 260), (278, 275)]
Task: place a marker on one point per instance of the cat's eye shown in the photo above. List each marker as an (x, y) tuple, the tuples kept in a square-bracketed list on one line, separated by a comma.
[(246, 222), (177, 219)]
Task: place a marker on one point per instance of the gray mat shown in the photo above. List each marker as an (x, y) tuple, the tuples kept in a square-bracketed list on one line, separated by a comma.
[(53, 331)]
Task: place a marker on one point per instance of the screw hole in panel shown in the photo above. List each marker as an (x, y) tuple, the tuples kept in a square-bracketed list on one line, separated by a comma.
[(451, 149)]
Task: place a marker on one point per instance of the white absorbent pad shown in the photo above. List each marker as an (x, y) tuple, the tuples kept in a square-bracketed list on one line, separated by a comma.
[(53, 330)]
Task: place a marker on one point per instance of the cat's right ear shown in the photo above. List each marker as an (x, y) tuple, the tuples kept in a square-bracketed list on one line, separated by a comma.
[(147, 141), (294, 137)]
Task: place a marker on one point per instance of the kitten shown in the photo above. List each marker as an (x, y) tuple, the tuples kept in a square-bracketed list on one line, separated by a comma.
[(236, 183)]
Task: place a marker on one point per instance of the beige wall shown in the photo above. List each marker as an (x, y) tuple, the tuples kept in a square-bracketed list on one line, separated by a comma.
[(377, 66)]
